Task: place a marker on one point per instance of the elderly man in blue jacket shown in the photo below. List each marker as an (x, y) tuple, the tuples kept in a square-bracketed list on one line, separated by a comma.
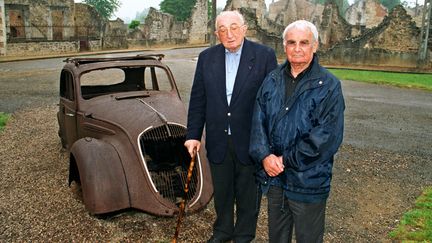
[(297, 128)]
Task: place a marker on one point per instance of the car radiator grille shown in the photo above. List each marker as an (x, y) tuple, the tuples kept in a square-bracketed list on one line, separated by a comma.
[(168, 161)]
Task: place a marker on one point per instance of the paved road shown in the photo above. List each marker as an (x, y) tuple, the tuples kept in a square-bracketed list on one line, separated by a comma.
[(376, 116)]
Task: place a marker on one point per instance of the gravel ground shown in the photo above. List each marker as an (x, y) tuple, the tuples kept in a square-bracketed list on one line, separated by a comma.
[(375, 180), (371, 190)]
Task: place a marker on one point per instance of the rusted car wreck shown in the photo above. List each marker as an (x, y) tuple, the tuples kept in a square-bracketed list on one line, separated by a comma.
[(123, 123)]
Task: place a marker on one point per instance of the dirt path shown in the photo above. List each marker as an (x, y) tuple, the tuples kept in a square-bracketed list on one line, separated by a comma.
[(381, 168)]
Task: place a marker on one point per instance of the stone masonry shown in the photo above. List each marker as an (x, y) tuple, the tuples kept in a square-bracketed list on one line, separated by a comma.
[(39, 19), (368, 13), (42, 27), (198, 23), (2, 29), (257, 6), (333, 28), (394, 42), (284, 12), (162, 28)]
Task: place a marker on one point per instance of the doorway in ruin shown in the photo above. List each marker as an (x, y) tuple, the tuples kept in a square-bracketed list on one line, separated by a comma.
[(57, 17)]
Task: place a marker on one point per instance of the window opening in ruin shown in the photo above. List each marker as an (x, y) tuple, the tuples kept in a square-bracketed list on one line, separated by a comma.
[(16, 24)]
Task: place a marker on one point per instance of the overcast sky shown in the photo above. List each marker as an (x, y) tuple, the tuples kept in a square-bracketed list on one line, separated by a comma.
[(129, 8)]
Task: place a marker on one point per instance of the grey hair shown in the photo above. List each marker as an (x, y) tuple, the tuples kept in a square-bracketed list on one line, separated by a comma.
[(225, 13), (302, 25)]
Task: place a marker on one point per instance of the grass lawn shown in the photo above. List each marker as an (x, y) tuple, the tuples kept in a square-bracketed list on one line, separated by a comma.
[(406, 80), (416, 224), (3, 119)]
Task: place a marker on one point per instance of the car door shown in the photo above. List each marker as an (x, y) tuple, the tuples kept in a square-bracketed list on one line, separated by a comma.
[(67, 109)]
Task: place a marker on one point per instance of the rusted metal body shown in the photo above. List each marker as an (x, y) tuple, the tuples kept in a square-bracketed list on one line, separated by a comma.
[(124, 125)]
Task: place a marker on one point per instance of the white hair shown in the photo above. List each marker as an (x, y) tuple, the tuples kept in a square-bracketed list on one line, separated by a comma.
[(225, 13), (302, 25)]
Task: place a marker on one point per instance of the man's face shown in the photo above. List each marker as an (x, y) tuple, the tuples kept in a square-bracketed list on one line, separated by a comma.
[(300, 46), (230, 32)]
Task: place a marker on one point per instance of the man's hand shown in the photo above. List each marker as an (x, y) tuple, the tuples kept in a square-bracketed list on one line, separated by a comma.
[(193, 146), (273, 165)]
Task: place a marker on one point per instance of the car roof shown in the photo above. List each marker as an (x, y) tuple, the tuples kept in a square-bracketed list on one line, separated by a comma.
[(88, 60)]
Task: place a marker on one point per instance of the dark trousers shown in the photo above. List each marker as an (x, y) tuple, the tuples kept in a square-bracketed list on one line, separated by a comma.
[(308, 219), (234, 184)]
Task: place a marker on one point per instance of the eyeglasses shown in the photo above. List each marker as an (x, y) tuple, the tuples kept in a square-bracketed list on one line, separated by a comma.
[(301, 44), (224, 30)]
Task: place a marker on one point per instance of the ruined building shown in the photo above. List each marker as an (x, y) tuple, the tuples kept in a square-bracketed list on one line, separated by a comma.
[(333, 28), (284, 12), (2, 30), (373, 38), (366, 13), (162, 29), (54, 26), (394, 42), (367, 34)]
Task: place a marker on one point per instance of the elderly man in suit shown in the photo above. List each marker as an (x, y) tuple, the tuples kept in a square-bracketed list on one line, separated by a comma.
[(226, 81)]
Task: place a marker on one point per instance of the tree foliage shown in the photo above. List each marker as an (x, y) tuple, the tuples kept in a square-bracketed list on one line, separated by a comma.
[(134, 24), (389, 4), (105, 8), (180, 9)]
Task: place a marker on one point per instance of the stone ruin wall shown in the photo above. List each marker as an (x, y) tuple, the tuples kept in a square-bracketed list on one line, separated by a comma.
[(46, 27), (393, 43), (198, 33), (2, 29), (42, 26), (333, 28), (398, 33), (42, 19), (88, 22), (341, 42), (258, 7), (115, 35), (162, 29), (368, 13), (283, 12)]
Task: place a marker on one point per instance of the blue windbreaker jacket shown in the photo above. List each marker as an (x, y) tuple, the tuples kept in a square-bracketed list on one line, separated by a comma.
[(306, 129)]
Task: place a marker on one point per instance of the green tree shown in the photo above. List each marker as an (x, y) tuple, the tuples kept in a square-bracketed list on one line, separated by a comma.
[(105, 8), (389, 4), (180, 9), (134, 24)]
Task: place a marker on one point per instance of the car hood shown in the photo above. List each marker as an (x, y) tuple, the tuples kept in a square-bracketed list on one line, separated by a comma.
[(137, 113)]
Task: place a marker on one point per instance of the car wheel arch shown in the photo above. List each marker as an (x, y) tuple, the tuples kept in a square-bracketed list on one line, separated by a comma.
[(97, 166)]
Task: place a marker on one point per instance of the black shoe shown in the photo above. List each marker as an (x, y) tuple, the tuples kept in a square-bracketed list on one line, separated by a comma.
[(215, 239)]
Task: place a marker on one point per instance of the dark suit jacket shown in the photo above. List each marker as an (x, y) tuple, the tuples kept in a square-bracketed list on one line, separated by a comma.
[(208, 102)]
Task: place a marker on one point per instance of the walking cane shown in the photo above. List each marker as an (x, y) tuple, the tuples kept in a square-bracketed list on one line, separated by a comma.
[(183, 202)]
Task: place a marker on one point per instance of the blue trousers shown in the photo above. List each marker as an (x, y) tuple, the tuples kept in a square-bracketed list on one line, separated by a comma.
[(307, 219)]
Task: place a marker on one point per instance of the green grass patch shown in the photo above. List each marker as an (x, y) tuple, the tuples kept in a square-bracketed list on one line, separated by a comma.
[(3, 119), (416, 224), (406, 80)]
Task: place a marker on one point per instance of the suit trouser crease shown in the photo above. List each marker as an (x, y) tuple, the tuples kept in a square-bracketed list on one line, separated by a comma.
[(235, 185)]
